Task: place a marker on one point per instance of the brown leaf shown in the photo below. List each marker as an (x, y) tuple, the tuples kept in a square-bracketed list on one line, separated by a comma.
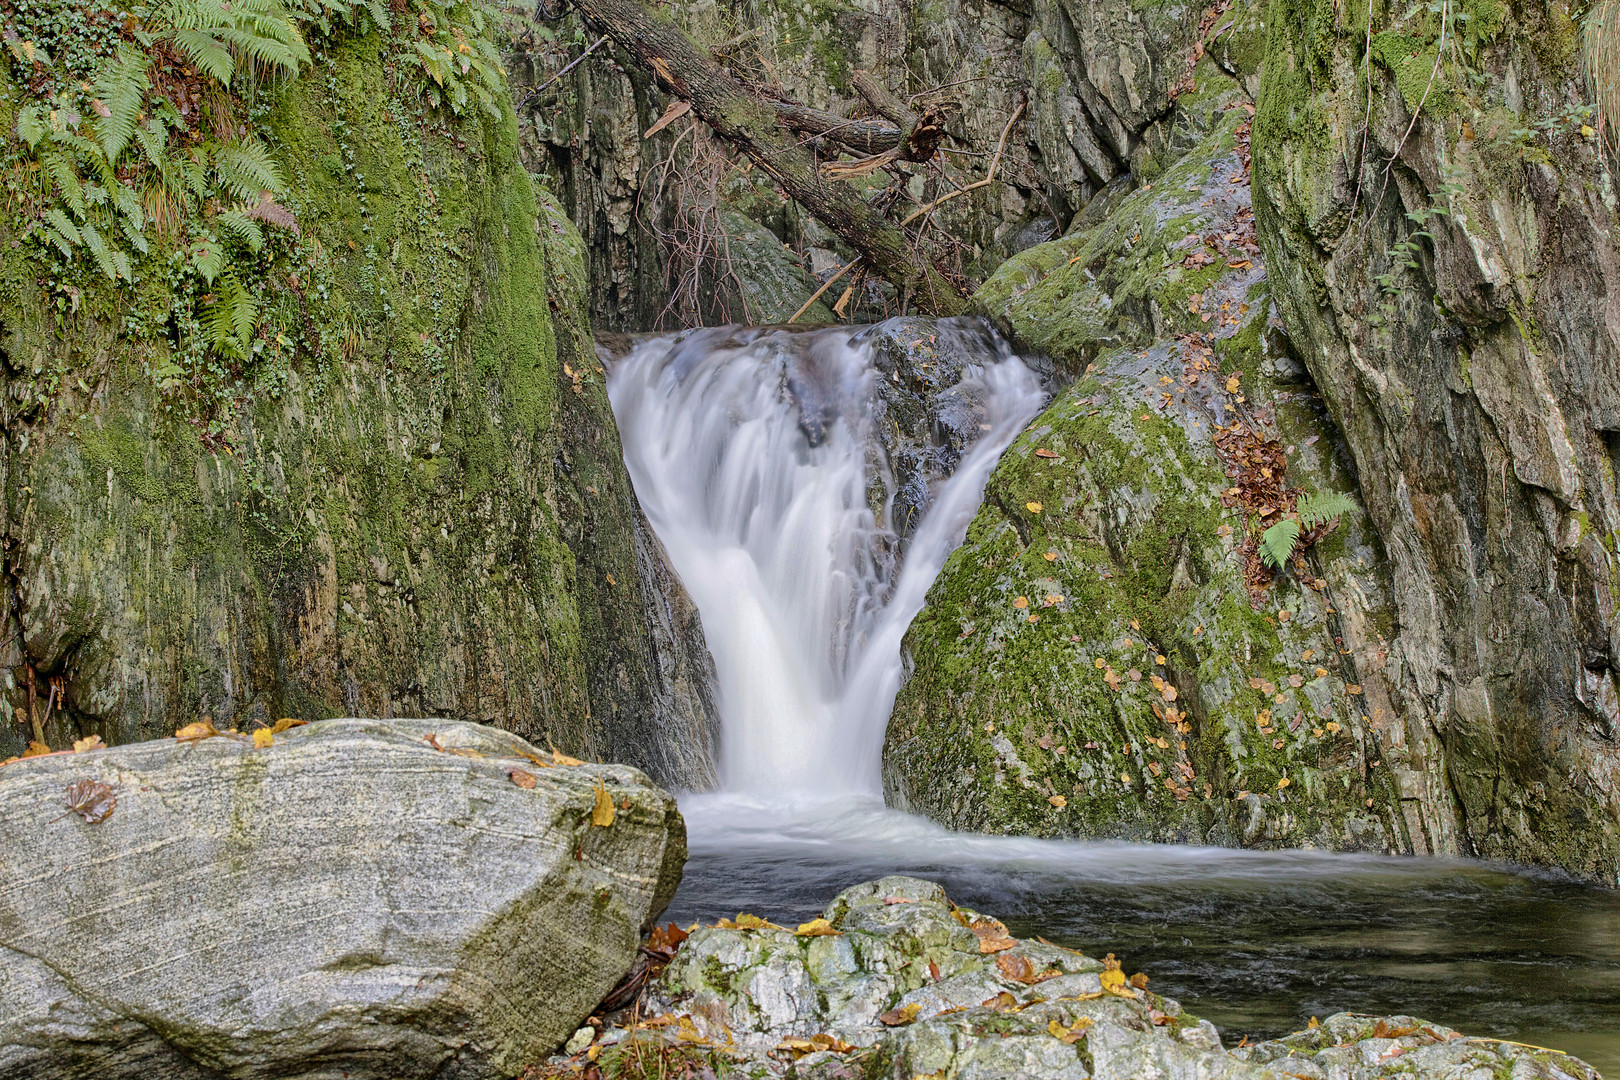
[(202, 729), (666, 939), (91, 800), (1045, 453), (901, 1016), (1070, 1035), (522, 779), (286, 723), (432, 739), (933, 971), (1016, 968)]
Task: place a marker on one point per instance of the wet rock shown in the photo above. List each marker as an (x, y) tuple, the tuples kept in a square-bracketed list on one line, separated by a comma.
[(766, 1002), (347, 902)]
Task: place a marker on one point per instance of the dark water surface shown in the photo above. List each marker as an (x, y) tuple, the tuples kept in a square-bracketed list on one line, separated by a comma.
[(1257, 942)]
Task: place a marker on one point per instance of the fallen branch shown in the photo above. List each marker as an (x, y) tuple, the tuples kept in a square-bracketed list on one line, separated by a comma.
[(751, 126), (532, 94), (989, 177), (824, 287)]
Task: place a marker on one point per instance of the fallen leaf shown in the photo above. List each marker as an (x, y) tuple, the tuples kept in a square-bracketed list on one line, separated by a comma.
[(1070, 1035), (1050, 556), (1016, 968), (1058, 801), (933, 971), (1284, 782), (666, 939), (561, 758), (1169, 692), (1002, 1002), (992, 934), (1033, 507), (36, 749), (1113, 979), (1232, 385), (1296, 681), (602, 814), (1020, 602), (262, 738), (901, 1016), (285, 723), (818, 928), (1045, 453), (890, 901), (522, 779), (432, 739), (202, 729), (744, 921), (1321, 673), (89, 742), (91, 800)]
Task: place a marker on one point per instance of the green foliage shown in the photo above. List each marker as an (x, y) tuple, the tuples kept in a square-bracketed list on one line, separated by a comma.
[(1277, 543)]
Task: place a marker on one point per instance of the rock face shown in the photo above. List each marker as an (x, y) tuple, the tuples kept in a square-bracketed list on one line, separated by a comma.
[(1105, 655), (410, 500), (1450, 282), (900, 982), (348, 902)]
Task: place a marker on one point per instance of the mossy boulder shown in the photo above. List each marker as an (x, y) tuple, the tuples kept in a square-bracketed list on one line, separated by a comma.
[(1106, 655), (408, 499)]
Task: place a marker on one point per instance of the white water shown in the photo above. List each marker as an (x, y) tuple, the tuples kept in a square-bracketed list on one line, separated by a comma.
[(803, 600)]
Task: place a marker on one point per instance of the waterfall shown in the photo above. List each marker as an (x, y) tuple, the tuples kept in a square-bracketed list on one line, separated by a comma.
[(757, 460)]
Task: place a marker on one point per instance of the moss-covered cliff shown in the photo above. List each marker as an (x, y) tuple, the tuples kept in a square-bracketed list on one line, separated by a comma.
[(402, 493)]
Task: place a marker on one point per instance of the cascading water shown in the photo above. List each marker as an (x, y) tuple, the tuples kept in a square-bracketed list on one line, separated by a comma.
[(755, 458), (769, 465)]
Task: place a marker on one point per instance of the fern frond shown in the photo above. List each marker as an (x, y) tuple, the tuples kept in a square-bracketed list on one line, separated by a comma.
[(65, 180), (232, 318), (1277, 543), (32, 125), (104, 254), (1313, 510), (242, 228), (207, 53), (246, 168), (120, 87), (64, 225), (271, 212)]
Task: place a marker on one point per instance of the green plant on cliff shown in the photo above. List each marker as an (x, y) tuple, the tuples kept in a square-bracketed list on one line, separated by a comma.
[(1278, 543)]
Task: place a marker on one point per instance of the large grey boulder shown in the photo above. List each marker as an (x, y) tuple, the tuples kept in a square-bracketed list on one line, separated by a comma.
[(351, 901)]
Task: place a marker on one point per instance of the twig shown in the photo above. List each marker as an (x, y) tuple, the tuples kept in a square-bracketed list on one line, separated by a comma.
[(825, 286), (989, 177), (1439, 55), (532, 94)]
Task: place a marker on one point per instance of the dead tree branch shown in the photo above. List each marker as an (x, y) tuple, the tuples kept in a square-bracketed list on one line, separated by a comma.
[(751, 127)]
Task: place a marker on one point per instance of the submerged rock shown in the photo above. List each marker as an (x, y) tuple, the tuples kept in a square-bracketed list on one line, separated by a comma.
[(361, 899), (900, 982)]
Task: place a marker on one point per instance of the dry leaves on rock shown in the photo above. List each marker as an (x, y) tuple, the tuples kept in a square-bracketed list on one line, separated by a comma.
[(1070, 1035), (287, 723), (263, 738), (524, 780), (818, 928), (744, 921), (900, 1016), (1113, 979), (89, 742), (992, 934), (92, 800), (800, 1047), (202, 729)]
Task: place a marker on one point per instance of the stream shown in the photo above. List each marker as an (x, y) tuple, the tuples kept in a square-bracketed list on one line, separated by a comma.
[(758, 459)]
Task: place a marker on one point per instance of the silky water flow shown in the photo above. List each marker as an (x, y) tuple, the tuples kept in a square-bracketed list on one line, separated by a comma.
[(758, 459)]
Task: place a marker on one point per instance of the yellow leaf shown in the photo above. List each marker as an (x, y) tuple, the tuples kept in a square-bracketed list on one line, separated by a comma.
[(284, 723), (1113, 979), (1232, 385), (602, 815), (563, 759), (1100, 663), (1020, 602), (91, 742), (900, 1016), (1284, 782), (202, 729), (1050, 556), (1033, 507), (1070, 1035), (1058, 801), (36, 749), (745, 921), (262, 738), (818, 928)]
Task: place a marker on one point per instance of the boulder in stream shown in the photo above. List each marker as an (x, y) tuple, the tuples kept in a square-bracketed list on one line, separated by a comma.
[(361, 898), (894, 980)]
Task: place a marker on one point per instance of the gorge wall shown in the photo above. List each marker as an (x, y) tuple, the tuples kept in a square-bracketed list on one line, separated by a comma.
[(403, 496)]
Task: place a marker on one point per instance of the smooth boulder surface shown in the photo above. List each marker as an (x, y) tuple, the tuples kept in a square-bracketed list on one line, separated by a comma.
[(351, 901), (898, 981)]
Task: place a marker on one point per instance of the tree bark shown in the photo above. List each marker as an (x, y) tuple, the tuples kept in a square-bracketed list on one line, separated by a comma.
[(751, 125)]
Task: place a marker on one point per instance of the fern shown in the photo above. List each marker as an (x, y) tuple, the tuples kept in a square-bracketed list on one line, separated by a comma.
[(231, 318), (1277, 543), (241, 228), (1314, 510), (120, 90), (219, 37), (246, 168)]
